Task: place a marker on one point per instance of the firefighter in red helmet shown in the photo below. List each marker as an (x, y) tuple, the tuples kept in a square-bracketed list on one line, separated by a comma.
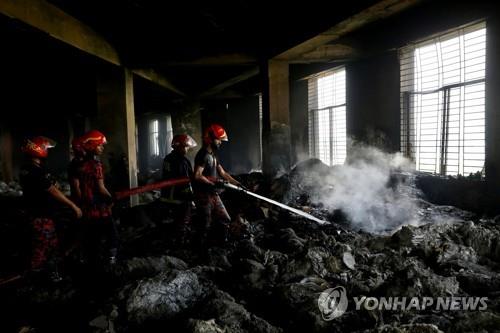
[(41, 196), (207, 173), (176, 165), (96, 201)]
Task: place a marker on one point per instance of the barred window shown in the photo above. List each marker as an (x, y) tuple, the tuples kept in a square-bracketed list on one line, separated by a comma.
[(327, 116), (260, 129), (443, 102), (154, 138)]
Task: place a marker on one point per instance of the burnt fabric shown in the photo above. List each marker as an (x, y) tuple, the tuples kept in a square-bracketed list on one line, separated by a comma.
[(44, 243), (94, 204)]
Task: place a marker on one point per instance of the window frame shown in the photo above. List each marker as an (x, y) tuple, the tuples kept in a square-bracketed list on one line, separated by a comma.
[(334, 143), (154, 137), (411, 141)]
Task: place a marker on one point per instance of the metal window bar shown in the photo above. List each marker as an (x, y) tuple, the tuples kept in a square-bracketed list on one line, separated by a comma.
[(260, 130), (154, 138), (337, 133), (442, 102), (444, 127), (327, 120)]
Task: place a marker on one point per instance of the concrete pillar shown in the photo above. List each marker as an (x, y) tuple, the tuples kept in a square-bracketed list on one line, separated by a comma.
[(276, 143), (116, 119), (493, 104), (6, 155)]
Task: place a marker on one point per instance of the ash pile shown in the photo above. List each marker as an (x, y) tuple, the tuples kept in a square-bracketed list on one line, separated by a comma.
[(384, 240)]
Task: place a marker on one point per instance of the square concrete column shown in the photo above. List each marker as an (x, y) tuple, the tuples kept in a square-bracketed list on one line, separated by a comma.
[(276, 142), (116, 119), (493, 105), (6, 155)]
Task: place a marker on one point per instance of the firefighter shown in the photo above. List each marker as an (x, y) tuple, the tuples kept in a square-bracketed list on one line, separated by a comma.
[(208, 172), (180, 198), (41, 196), (96, 201)]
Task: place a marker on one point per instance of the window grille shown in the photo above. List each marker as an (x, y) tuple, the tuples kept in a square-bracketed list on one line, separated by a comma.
[(154, 138), (443, 102), (166, 146), (327, 116), (260, 129)]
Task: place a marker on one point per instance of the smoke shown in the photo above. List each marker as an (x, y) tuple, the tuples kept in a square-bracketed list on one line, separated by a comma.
[(367, 190)]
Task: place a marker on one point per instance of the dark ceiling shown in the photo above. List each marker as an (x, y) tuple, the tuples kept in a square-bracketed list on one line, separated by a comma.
[(159, 33), (199, 44)]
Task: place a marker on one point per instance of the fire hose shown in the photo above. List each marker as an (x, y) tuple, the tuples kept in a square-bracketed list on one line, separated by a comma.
[(182, 181), (276, 203), (150, 187)]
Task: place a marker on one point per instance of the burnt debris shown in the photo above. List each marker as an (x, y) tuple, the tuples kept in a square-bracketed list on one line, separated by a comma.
[(269, 276)]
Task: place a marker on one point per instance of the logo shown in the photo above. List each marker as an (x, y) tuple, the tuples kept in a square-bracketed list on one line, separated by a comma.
[(332, 303)]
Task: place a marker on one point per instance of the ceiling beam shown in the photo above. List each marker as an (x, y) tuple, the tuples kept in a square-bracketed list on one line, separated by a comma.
[(231, 82), (326, 53), (153, 76), (230, 59), (59, 25), (380, 10)]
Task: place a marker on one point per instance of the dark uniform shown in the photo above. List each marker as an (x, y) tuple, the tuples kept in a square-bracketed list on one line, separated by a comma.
[(209, 205), (96, 209), (74, 170), (73, 236), (40, 205), (176, 165)]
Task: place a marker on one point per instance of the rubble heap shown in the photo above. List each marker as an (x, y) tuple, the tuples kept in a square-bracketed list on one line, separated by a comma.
[(269, 278)]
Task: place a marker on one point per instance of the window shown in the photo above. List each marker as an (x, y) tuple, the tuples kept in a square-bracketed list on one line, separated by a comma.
[(443, 102), (167, 148), (327, 116), (154, 142)]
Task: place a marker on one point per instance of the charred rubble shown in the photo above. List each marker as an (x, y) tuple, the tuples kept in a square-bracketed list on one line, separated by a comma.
[(268, 279)]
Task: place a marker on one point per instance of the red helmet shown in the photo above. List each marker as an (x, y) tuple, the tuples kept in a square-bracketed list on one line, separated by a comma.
[(183, 140), (92, 139), (213, 132), (77, 146), (38, 146)]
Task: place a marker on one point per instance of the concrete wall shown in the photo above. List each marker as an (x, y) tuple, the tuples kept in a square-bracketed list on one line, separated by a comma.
[(372, 102), (373, 110), (493, 105), (373, 82), (299, 132), (240, 118), (373, 107), (243, 130), (46, 88)]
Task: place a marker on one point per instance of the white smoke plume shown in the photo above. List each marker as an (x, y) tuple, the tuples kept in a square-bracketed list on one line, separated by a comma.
[(363, 190)]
